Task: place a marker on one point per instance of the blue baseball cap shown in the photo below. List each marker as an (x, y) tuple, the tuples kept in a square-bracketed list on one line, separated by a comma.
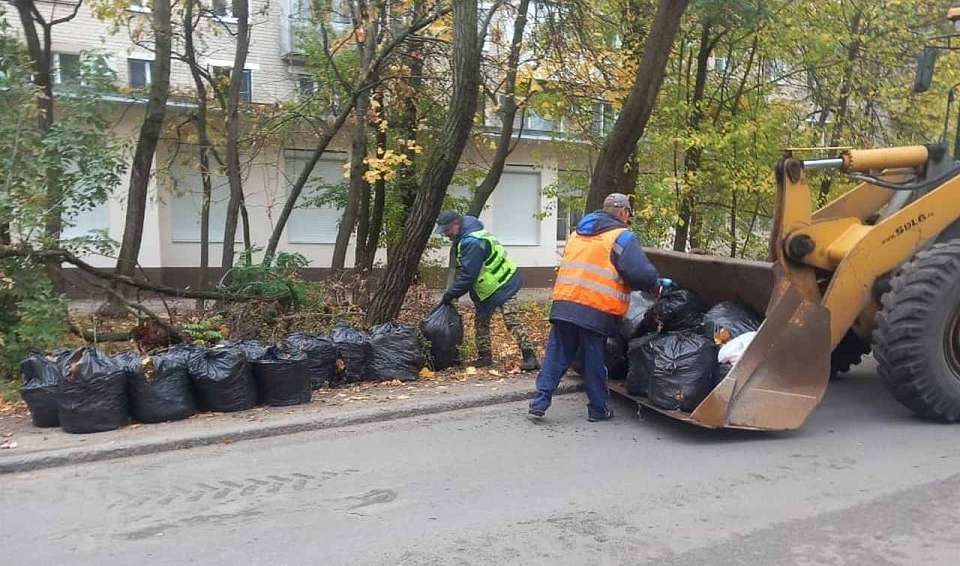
[(446, 218)]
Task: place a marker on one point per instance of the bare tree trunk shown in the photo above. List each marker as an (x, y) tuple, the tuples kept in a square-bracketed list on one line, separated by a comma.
[(371, 219), (367, 21), (508, 113), (140, 169), (622, 141), (440, 166), (843, 101), (355, 189), (691, 157), (203, 141), (376, 215), (234, 178), (40, 50)]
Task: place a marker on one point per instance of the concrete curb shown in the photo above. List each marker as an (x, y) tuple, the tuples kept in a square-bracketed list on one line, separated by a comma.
[(301, 423)]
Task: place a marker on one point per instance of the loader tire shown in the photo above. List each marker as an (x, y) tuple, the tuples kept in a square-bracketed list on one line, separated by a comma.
[(847, 354), (917, 339)]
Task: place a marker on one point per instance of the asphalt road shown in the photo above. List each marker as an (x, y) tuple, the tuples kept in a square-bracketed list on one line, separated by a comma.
[(862, 483)]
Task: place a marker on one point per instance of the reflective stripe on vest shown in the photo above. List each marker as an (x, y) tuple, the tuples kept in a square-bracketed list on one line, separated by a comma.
[(497, 269), (588, 277)]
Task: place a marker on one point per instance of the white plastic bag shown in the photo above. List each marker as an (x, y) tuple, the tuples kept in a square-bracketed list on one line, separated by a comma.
[(732, 351)]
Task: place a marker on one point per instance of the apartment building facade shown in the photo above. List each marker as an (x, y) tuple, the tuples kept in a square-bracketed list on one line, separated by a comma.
[(522, 211)]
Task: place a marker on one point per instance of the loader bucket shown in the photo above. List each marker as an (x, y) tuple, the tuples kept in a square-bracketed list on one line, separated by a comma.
[(783, 374)]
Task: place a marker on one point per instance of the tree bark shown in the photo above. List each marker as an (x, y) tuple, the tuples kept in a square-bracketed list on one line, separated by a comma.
[(203, 141), (843, 101), (39, 47), (508, 113), (355, 189), (440, 167), (140, 169), (234, 178), (375, 226), (622, 140), (691, 157), (367, 21)]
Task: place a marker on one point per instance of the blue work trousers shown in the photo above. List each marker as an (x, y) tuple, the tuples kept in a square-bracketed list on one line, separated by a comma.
[(566, 339)]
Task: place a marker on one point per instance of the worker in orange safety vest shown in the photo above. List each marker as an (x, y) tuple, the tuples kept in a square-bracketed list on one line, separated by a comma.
[(602, 263)]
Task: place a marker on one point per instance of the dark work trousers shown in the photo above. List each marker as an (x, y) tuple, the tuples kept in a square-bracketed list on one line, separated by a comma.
[(565, 340)]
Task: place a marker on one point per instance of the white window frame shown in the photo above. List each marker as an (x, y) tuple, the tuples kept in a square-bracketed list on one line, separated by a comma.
[(331, 158), (304, 77), (57, 77), (149, 71), (227, 16), (538, 208), (216, 65), (140, 6)]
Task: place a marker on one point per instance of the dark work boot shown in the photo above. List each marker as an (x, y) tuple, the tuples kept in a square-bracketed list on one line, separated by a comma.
[(604, 417), (484, 360), (529, 362)]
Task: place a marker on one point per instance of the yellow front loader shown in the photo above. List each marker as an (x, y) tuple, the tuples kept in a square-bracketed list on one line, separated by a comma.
[(878, 267)]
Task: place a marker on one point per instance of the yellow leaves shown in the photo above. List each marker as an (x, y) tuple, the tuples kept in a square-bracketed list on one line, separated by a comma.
[(384, 167), (427, 373)]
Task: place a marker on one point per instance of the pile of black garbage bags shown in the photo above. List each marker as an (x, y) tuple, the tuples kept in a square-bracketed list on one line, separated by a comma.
[(85, 390), (667, 348)]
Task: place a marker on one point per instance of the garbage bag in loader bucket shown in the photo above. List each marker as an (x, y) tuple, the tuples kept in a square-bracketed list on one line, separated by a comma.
[(782, 375)]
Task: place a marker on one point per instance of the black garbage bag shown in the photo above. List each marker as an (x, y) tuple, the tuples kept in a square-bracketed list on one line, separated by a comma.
[(252, 349), (443, 327), (160, 387), (721, 372), (737, 318), (394, 352), (640, 317), (679, 309), (684, 365), (223, 380), (639, 365), (353, 349), (322, 355), (128, 360), (93, 397), (283, 377), (42, 377), (616, 358)]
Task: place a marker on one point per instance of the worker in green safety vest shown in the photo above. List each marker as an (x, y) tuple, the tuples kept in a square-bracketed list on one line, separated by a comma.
[(486, 271)]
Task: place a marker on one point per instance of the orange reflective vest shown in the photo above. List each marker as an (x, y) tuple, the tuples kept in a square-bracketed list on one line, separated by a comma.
[(588, 277)]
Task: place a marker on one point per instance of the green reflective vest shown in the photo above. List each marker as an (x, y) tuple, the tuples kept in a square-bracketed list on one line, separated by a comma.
[(497, 269)]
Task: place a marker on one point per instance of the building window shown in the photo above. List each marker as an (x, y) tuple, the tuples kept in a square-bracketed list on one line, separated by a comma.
[(317, 220), (140, 6), (222, 8), (515, 208), (222, 74), (186, 204), (306, 87), (568, 217), (66, 68), (603, 118), (720, 64), (538, 123), (140, 73)]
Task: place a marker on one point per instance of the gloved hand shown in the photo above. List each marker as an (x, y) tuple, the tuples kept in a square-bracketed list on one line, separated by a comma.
[(446, 299), (664, 284)]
